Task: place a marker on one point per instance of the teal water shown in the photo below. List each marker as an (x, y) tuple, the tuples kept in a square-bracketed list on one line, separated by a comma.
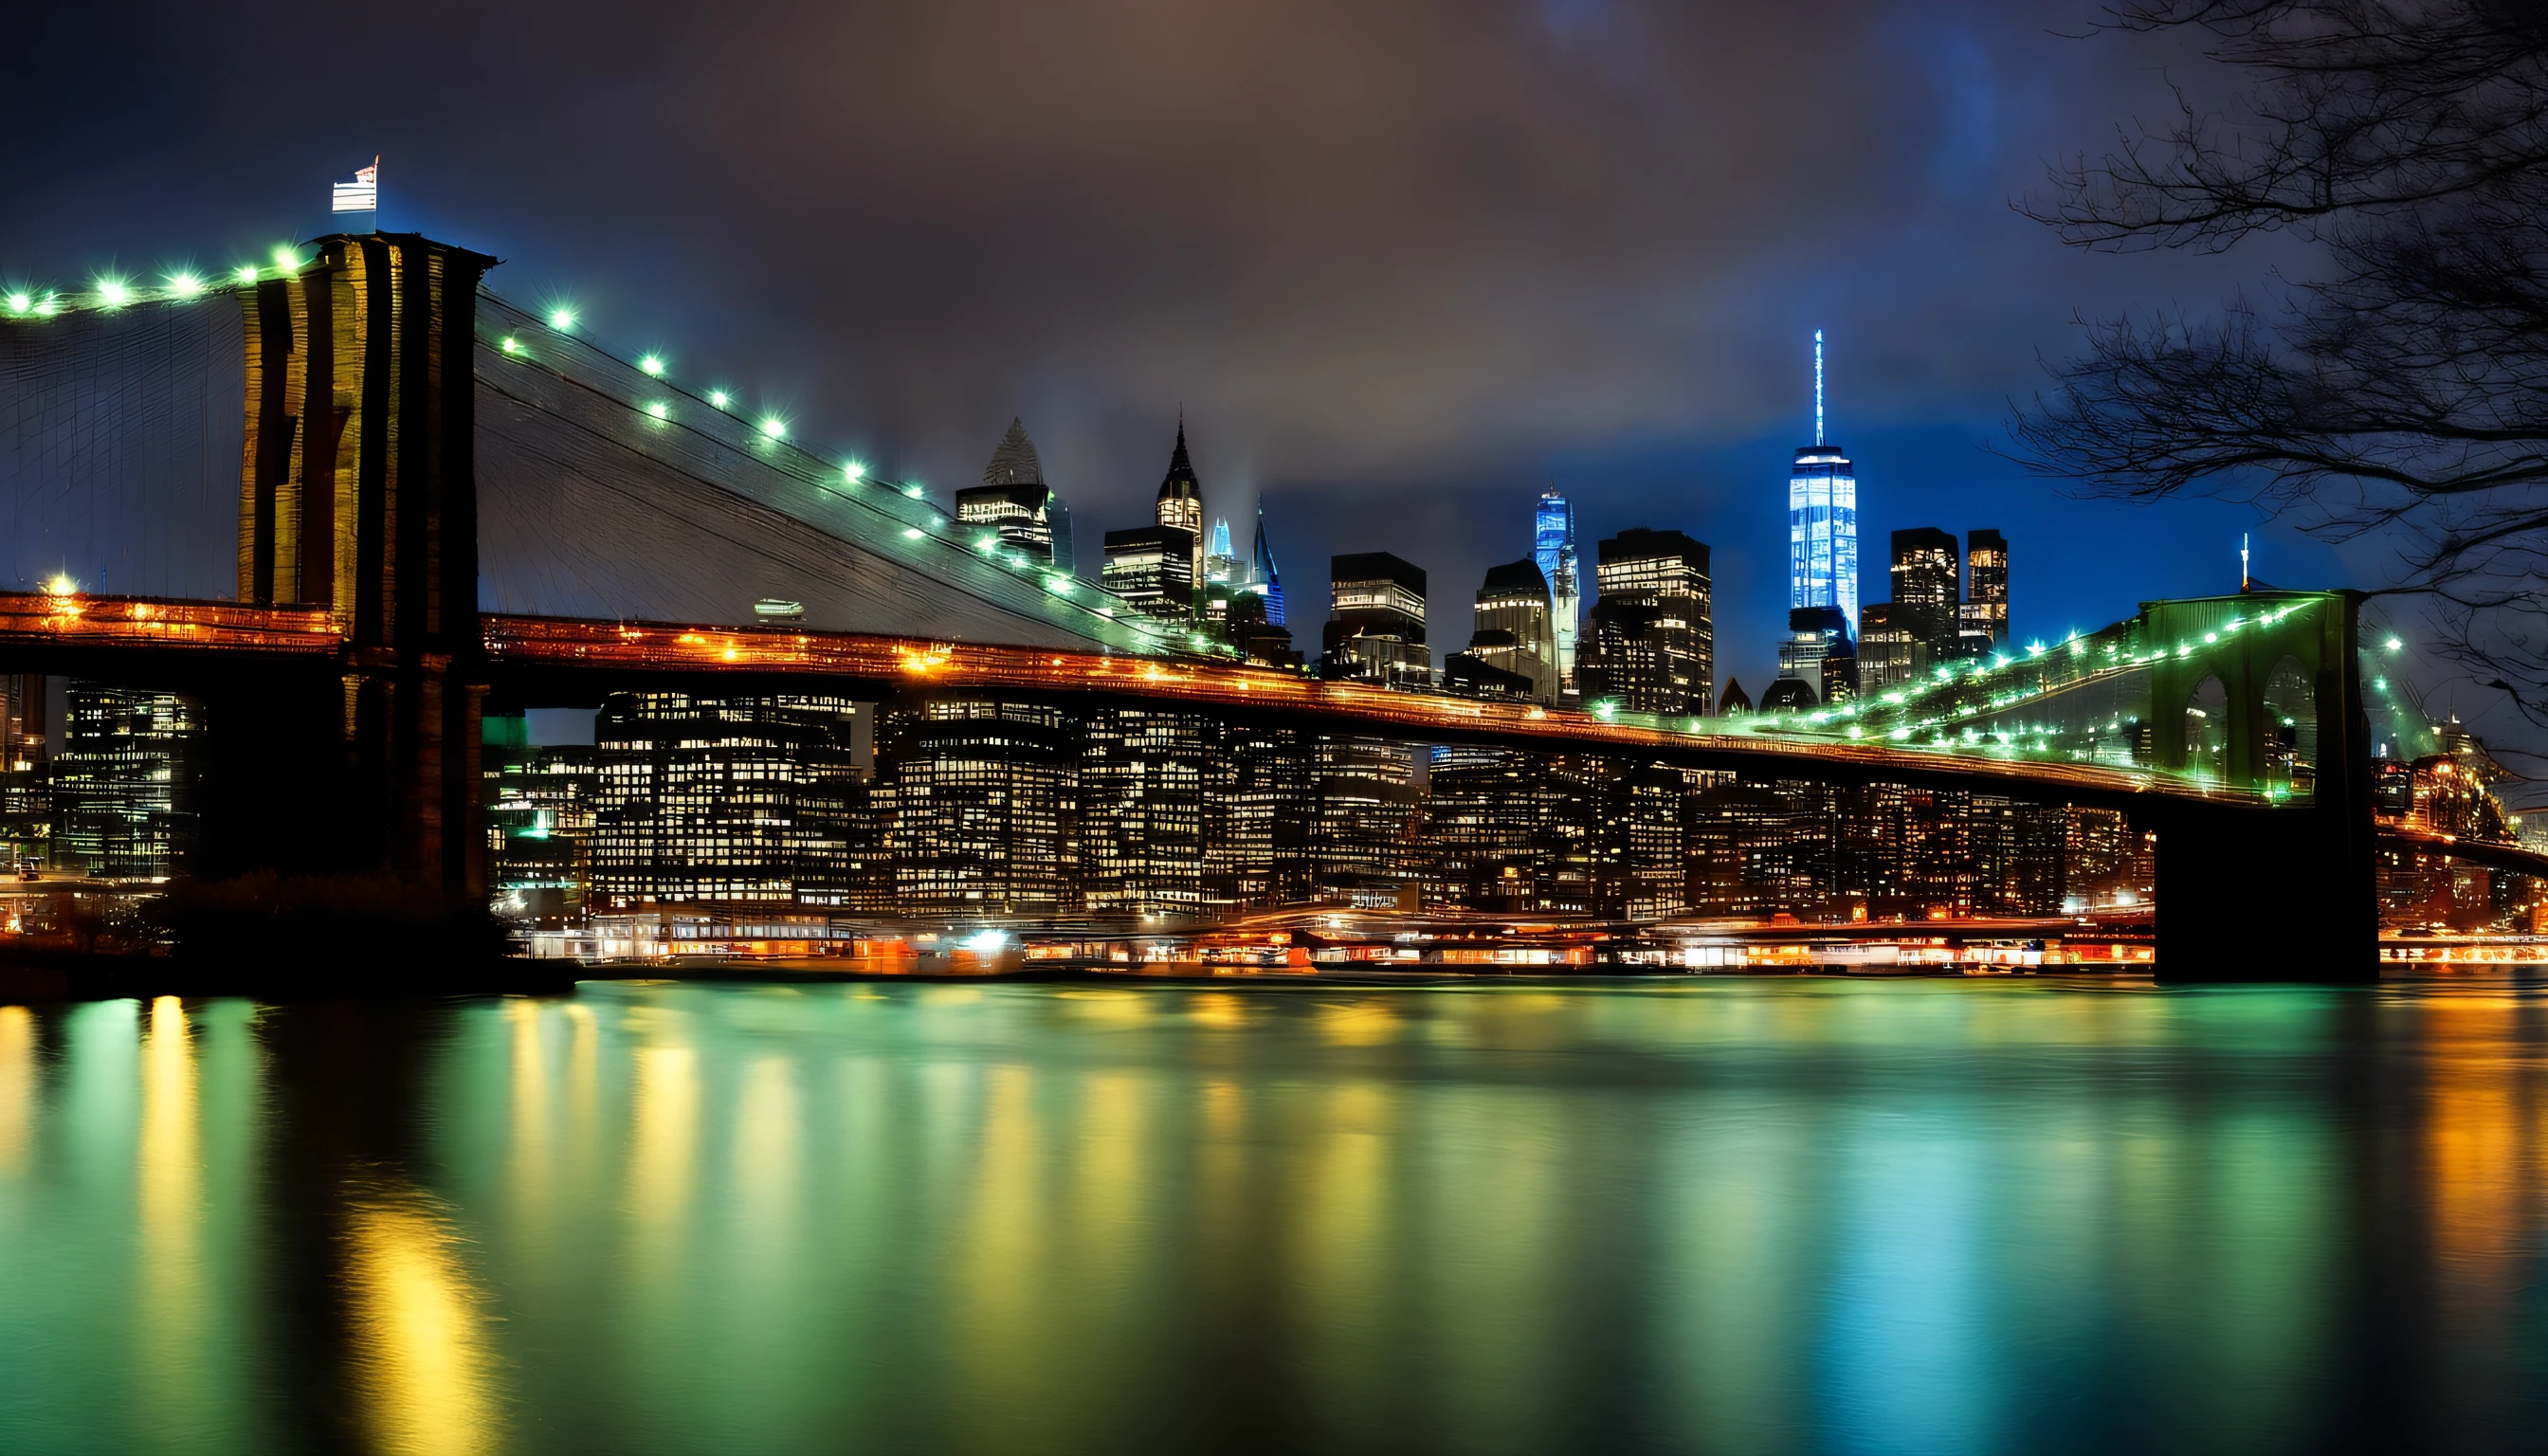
[(1693, 1215)]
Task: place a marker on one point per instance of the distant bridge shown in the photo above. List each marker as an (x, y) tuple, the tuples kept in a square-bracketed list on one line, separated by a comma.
[(552, 523)]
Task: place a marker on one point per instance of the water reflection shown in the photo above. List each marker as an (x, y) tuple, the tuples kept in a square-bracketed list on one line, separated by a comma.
[(422, 1354), (1726, 1216)]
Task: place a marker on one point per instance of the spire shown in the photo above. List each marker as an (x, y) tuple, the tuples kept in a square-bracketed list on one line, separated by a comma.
[(1181, 483), (1818, 386), (1014, 463)]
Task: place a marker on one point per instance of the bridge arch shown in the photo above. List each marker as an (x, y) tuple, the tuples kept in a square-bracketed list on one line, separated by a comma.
[(2202, 742)]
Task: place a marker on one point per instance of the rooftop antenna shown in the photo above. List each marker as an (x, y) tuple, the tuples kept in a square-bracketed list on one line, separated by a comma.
[(2244, 577), (1818, 387)]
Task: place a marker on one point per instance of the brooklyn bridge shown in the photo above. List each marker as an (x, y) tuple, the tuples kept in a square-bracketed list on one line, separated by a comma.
[(446, 504)]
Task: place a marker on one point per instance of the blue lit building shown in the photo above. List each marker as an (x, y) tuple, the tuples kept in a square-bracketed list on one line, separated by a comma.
[(1822, 520), (1553, 547), (1262, 577)]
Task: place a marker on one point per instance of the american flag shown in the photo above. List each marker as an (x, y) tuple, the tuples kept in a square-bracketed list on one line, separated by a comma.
[(363, 193)]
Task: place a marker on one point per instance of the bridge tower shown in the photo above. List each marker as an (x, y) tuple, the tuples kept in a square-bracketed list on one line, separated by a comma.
[(358, 493), (2280, 892)]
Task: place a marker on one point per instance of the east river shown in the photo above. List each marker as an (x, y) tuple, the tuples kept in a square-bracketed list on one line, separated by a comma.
[(1703, 1215)]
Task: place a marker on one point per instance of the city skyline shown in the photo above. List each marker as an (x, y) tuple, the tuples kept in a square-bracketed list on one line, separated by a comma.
[(1938, 313)]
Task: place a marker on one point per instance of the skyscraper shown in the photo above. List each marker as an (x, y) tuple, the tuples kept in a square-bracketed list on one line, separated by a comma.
[(1822, 518), (1376, 630), (1264, 578), (1654, 637), (1925, 593), (1984, 616), (1014, 500), (1514, 601), (1152, 570), (1224, 572), (1553, 547), (1181, 503)]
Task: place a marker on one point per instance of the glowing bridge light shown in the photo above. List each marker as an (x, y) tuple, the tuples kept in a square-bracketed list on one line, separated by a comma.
[(20, 303), (246, 273), (185, 285), (2211, 636), (653, 365), (717, 399), (854, 472), (773, 426), (510, 345), (287, 260), (913, 532), (561, 320), (660, 409), (61, 585), (914, 492), (114, 292), (1057, 586), (2393, 644)]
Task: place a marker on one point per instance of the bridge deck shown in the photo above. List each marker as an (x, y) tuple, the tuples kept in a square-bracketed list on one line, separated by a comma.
[(637, 649)]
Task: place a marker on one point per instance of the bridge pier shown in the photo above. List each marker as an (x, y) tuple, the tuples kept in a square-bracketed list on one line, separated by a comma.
[(359, 495)]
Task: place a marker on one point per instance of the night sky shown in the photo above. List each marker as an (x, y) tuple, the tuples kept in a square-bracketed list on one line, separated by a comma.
[(1402, 265)]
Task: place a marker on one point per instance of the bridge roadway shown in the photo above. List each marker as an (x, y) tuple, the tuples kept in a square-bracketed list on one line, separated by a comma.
[(535, 660)]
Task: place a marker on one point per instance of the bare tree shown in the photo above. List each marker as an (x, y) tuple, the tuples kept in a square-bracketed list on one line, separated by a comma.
[(2400, 387)]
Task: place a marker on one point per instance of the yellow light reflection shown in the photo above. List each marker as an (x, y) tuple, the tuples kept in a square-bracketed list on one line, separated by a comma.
[(665, 1137), (170, 1184), (422, 1361), (17, 1086)]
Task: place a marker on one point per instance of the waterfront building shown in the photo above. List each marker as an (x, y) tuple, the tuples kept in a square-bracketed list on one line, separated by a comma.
[(1180, 507), (1890, 654), (1983, 620), (1515, 602), (1367, 829), (1926, 595), (1735, 700), (979, 797), (709, 800), (26, 735), (126, 783), (1141, 777), (1152, 570), (1013, 501), (1375, 624), (541, 805), (1654, 641), (1553, 550), (1260, 806)]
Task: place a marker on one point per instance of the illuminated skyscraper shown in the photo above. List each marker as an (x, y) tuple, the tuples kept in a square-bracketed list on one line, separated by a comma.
[(1986, 610), (1553, 547), (1822, 520), (1014, 500), (1181, 504), (1263, 578), (1514, 603), (1223, 574), (1654, 638), (1925, 595)]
